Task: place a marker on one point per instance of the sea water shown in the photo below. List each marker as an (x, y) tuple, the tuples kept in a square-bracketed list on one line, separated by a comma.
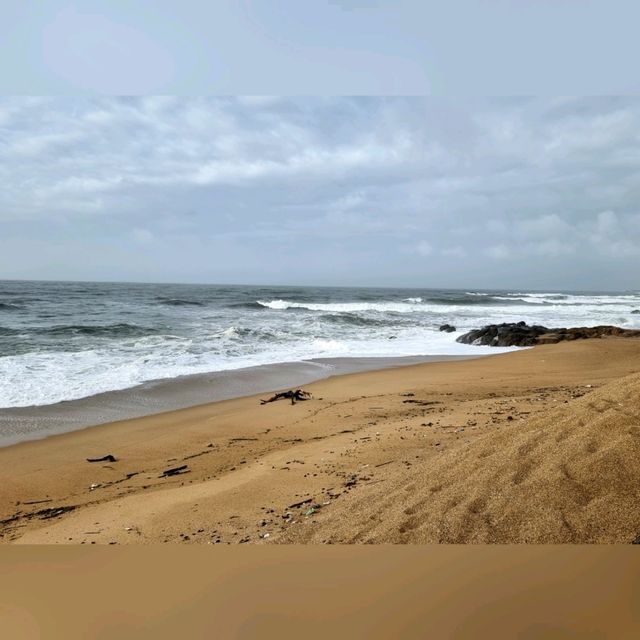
[(68, 340)]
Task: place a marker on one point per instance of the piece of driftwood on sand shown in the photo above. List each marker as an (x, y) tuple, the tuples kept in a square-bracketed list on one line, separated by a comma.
[(298, 395)]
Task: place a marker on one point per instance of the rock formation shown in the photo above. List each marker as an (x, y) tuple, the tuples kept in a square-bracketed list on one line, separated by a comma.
[(520, 334)]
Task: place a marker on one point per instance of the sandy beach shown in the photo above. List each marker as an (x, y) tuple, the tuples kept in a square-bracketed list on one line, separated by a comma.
[(535, 446)]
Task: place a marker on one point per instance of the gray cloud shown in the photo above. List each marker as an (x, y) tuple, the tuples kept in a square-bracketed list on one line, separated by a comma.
[(402, 191)]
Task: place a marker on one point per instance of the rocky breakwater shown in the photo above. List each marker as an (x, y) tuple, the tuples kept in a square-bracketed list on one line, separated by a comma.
[(520, 334)]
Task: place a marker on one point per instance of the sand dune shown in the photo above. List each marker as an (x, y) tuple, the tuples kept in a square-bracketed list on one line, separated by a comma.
[(571, 475)]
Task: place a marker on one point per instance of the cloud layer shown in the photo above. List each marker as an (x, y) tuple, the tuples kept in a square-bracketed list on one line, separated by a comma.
[(537, 193)]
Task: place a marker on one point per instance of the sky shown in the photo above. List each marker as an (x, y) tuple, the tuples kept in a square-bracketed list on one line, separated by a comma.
[(114, 166), (375, 191), (313, 47)]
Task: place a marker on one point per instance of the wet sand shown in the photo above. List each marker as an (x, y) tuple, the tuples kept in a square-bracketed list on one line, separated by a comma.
[(157, 396), (535, 446)]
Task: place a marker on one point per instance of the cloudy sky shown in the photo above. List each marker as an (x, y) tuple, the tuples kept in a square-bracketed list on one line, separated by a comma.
[(540, 193)]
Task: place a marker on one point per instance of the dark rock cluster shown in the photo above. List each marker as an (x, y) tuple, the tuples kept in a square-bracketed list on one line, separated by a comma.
[(520, 334)]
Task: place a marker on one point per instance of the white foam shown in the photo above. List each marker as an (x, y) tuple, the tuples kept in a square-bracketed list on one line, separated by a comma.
[(576, 300), (47, 378), (345, 307)]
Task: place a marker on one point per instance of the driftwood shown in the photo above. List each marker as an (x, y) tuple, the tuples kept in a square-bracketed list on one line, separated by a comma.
[(107, 458), (175, 471), (45, 514), (298, 394), (127, 477)]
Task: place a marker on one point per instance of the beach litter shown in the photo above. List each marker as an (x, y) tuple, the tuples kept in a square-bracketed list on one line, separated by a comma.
[(175, 471), (299, 504), (107, 458)]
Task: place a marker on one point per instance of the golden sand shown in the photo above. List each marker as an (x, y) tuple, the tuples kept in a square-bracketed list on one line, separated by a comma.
[(535, 446)]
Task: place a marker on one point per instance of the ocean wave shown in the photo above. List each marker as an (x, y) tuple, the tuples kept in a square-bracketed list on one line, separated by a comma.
[(118, 330), (508, 299), (179, 302), (343, 307), (477, 301), (575, 300), (281, 305), (244, 333), (246, 305), (546, 296), (10, 306), (432, 303), (560, 298), (355, 320)]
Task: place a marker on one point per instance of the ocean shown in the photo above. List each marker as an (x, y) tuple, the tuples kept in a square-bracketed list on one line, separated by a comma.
[(62, 341)]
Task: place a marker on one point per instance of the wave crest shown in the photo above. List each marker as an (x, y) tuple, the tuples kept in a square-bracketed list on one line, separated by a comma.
[(179, 302), (10, 306), (108, 331)]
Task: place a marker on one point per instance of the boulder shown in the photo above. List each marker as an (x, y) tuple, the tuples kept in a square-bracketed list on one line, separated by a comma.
[(449, 328), (636, 311), (520, 334)]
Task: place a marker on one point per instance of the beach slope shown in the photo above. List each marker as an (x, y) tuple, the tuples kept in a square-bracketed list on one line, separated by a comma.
[(536, 446)]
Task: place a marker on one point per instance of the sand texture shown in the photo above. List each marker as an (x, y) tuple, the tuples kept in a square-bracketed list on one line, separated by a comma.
[(536, 446)]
